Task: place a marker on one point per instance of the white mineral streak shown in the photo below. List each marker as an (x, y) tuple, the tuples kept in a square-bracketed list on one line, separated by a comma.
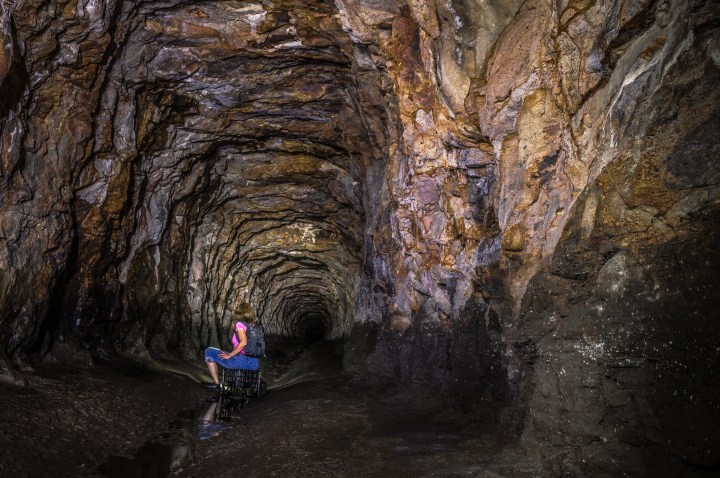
[(68, 54), (614, 277), (307, 231), (290, 44), (353, 24), (255, 18), (94, 11)]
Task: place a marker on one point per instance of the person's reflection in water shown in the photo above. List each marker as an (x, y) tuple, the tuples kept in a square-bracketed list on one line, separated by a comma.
[(207, 428)]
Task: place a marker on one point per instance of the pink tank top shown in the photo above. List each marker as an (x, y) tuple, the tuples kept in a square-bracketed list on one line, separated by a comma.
[(235, 337)]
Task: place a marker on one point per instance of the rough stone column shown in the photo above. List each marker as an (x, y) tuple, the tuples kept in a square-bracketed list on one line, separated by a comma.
[(438, 238)]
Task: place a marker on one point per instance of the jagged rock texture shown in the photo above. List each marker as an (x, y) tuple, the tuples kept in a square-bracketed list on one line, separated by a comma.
[(512, 201)]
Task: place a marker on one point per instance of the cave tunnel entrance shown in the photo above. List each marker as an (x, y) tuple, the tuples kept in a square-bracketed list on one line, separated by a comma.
[(307, 317), (311, 327), (308, 323)]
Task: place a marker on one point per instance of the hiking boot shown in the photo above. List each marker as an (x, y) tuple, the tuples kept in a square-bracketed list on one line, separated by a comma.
[(211, 386)]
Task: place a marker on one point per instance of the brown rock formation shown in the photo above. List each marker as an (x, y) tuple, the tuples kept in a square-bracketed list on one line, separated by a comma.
[(512, 201)]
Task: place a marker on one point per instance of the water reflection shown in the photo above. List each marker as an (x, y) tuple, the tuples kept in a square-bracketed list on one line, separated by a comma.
[(171, 450), (207, 428)]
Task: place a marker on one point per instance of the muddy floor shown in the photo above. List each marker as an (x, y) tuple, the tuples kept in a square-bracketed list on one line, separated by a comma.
[(68, 419), (336, 429), (125, 421)]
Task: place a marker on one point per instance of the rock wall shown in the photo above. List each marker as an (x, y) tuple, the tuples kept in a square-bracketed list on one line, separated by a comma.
[(516, 202), (555, 223), (165, 162)]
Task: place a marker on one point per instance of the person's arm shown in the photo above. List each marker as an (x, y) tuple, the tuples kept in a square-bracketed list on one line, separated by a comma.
[(242, 342)]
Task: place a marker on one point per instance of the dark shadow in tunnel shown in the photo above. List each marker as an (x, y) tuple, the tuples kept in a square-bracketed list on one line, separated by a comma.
[(170, 450), (16, 82), (311, 327), (292, 361)]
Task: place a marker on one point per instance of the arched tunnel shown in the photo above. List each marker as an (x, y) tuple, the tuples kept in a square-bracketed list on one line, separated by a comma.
[(478, 235), (228, 163), (260, 176)]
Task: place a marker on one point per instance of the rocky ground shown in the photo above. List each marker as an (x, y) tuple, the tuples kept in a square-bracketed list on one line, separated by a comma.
[(69, 419), (111, 420), (338, 429), (127, 420), (313, 423)]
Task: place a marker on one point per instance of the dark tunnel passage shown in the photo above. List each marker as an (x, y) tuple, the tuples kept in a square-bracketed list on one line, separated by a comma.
[(312, 326), (307, 317)]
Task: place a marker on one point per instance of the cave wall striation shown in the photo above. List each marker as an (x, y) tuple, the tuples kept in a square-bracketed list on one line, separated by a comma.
[(515, 202), (170, 161)]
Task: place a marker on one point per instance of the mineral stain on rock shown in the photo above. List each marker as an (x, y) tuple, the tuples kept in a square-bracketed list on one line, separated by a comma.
[(508, 210)]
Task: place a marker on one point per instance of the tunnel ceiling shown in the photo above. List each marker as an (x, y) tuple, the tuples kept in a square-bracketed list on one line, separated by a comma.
[(226, 161), (262, 101), (247, 119)]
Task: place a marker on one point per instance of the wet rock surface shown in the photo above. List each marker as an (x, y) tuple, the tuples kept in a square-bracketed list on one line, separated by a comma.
[(110, 420), (334, 428)]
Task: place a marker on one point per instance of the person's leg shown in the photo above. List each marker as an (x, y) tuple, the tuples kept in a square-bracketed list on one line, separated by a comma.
[(245, 363), (213, 368), (212, 357), (209, 414), (239, 361)]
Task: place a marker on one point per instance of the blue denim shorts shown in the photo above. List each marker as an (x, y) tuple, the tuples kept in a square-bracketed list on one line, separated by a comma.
[(237, 362)]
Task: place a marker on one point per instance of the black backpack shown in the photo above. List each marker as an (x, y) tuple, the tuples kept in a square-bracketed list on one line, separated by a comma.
[(255, 341)]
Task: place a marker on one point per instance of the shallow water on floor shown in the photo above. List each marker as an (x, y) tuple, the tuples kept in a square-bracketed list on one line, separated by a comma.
[(171, 450), (174, 448), (313, 423)]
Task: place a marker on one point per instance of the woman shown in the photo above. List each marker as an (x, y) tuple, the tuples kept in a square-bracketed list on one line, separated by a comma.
[(235, 359)]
